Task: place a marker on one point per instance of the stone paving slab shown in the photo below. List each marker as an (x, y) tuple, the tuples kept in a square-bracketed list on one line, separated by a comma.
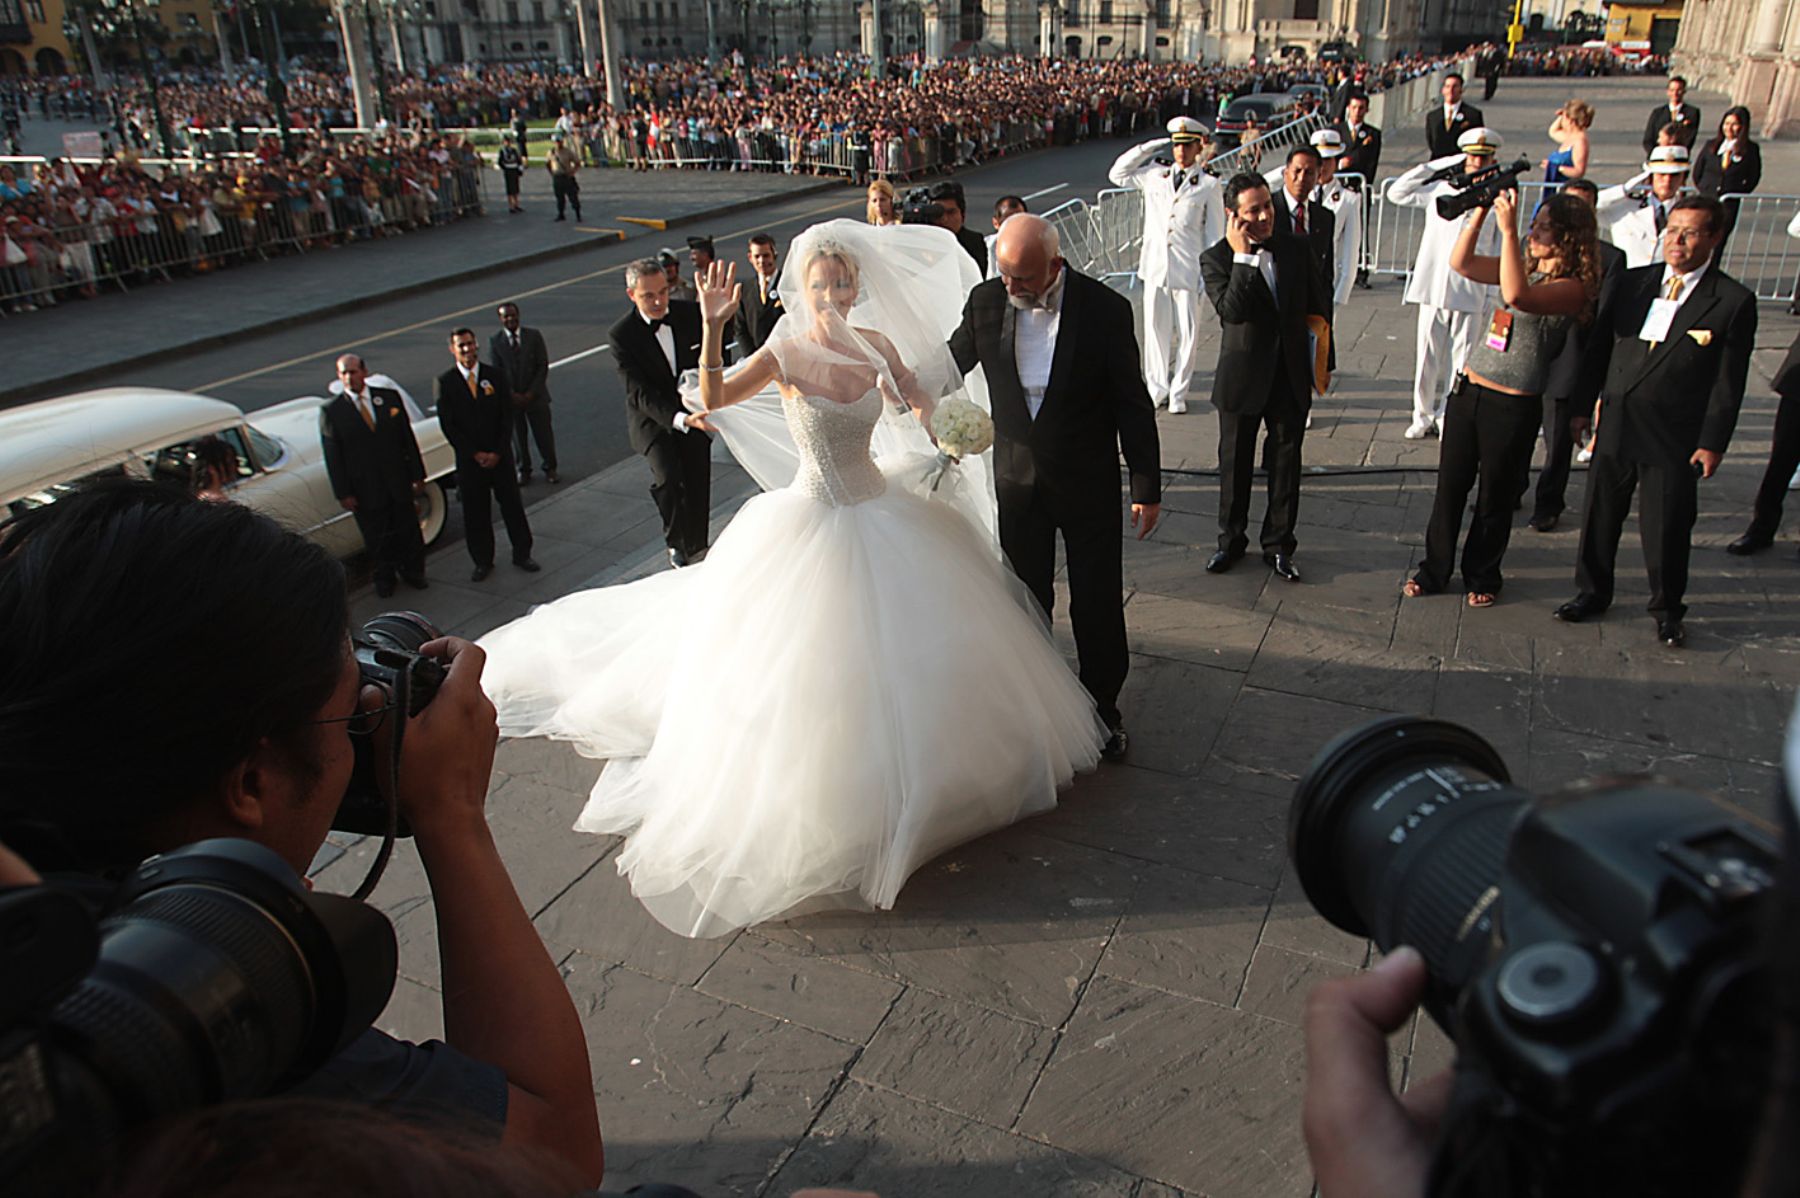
[(1105, 1000)]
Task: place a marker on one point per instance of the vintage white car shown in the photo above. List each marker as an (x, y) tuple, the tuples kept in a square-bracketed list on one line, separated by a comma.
[(49, 447)]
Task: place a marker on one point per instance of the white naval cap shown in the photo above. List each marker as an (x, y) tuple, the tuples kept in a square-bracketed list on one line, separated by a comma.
[(1480, 140), (1328, 142), (1183, 129), (1668, 160)]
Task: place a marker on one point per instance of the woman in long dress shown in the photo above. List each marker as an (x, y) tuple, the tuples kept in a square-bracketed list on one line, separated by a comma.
[(853, 681)]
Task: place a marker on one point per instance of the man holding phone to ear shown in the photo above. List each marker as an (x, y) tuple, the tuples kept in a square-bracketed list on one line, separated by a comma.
[(1674, 352)]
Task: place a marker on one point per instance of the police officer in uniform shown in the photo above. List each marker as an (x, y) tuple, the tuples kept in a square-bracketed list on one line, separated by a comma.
[(1450, 305), (1183, 216), (1634, 214)]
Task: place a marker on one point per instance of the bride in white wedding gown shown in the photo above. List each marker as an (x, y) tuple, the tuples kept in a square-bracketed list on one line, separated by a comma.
[(853, 681)]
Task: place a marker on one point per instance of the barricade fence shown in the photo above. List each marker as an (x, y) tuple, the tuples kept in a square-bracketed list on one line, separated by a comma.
[(156, 242)]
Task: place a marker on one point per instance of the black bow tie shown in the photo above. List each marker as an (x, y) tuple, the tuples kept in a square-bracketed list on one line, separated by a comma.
[(1261, 247), (658, 323)]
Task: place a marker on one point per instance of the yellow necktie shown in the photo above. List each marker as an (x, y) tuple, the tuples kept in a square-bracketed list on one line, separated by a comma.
[(472, 391), (762, 288), (1674, 287), (366, 411)]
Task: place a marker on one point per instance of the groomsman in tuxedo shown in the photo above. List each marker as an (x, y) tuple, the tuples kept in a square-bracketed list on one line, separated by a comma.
[(1265, 286), (475, 410), (1677, 112), (761, 307), (375, 467), (521, 354), (652, 344), (1451, 119), (1675, 356), (1362, 157), (1061, 363)]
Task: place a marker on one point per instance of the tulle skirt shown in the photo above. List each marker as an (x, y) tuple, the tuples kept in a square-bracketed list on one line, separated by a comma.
[(834, 697)]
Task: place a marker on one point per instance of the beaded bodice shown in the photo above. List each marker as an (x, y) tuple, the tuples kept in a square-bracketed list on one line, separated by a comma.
[(833, 439)]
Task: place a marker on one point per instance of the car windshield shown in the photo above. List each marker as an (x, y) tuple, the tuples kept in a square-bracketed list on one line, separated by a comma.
[(193, 463), (44, 496)]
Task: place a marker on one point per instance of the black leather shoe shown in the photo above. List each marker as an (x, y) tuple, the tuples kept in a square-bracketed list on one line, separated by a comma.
[(1747, 544), (480, 573), (524, 478), (1221, 561), (415, 581), (1671, 633), (1580, 608), (527, 565), (552, 477), (384, 588), (1116, 746), (1544, 523), (678, 559), (1282, 565)]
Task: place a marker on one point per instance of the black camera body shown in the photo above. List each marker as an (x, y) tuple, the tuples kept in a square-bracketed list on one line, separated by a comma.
[(387, 656), (1593, 955), (918, 208), (1478, 190), (210, 974)]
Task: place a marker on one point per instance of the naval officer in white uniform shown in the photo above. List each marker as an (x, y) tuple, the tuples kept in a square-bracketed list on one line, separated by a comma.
[(1183, 216), (1450, 305), (1634, 216)]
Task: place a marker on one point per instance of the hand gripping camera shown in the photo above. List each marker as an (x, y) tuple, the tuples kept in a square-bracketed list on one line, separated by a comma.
[(1592, 953), (1479, 189)]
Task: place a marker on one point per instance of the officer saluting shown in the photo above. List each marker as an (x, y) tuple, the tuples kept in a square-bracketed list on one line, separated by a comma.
[(1183, 216), (1450, 305), (1634, 217)]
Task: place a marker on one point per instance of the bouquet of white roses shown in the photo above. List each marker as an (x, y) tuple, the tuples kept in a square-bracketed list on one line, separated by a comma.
[(961, 428)]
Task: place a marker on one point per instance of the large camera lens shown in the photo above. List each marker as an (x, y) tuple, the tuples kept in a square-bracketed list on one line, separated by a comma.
[(1399, 832)]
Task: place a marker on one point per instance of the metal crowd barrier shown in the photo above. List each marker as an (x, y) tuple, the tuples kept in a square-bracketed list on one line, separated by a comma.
[(41, 267), (1759, 253), (1279, 139)]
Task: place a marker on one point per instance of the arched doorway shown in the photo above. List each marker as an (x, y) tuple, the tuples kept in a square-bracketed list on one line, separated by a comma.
[(49, 62), (1072, 46)]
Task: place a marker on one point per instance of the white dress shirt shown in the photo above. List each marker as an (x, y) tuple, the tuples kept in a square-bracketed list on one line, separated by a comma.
[(1034, 344), (1689, 283), (665, 341)]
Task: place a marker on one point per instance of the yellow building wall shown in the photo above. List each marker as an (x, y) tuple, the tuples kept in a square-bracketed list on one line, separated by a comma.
[(189, 22), (1632, 22)]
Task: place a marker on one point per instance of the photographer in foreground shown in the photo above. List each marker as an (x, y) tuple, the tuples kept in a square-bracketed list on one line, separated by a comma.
[(171, 671)]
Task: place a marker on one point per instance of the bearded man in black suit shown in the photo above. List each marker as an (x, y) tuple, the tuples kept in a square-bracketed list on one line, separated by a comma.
[(1675, 356), (1062, 367), (652, 345), (1266, 286), (475, 409), (375, 467)]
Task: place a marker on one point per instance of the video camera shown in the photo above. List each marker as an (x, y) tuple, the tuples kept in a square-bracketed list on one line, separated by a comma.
[(918, 208), (1478, 190), (1592, 953), (210, 974)]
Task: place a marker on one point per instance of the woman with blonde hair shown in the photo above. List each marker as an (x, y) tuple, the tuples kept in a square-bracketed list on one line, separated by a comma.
[(881, 204), (1569, 130)]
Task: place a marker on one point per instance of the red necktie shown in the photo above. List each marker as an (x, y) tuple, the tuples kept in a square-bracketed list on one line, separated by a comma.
[(1300, 219)]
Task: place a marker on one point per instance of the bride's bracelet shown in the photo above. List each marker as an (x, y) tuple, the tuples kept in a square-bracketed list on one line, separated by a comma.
[(704, 366)]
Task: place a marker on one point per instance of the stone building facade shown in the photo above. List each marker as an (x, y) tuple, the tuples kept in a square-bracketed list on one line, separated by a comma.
[(1749, 49)]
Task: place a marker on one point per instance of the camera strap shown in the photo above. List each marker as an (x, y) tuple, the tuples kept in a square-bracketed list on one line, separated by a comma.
[(402, 700)]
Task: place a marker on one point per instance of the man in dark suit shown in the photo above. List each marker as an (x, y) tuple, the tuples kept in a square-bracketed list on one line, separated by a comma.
[(1675, 356), (474, 407), (1062, 368), (1451, 119), (522, 356), (761, 307), (1565, 380), (1362, 156), (948, 194), (1299, 213), (652, 344), (1784, 457), (373, 461), (1677, 112), (1265, 286)]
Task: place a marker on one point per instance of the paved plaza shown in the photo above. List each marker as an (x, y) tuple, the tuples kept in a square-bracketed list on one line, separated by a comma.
[(1106, 1000)]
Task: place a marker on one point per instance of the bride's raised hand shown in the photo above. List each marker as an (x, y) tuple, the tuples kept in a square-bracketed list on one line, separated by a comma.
[(719, 292)]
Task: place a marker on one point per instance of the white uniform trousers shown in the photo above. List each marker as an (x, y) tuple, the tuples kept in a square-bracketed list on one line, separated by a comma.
[(1445, 337), (1170, 331)]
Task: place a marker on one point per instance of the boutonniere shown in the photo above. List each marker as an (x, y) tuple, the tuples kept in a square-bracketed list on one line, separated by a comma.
[(487, 388), (1701, 336), (393, 412), (777, 303)]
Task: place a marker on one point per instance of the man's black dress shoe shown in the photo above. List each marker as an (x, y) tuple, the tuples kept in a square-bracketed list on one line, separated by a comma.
[(1671, 633), (1116, 745), (1580, 608), (1747, 544), (524, 478), (1544, 523), (678, 559), (1282, 565), (384, 587), (551, 477), (1222, 560), (479, 573), (415, 581), (527, 565)]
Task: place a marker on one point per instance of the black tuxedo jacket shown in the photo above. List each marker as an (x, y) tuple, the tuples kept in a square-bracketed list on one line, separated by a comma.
[(1363, 149), (755, 318), (1321, 233), (1564, 378), (475, 424), (1442, 140), (1263, 332), (1688, 127), (377, 466), (1094, 406), (1661, 402), (527, 368), (1787, 378), (652, 393)]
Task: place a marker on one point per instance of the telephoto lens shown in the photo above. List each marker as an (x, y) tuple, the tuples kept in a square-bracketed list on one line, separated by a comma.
[(1596, 955)]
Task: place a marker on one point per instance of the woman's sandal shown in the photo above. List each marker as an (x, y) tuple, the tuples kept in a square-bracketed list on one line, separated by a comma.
[(1481, 599), (1411, 589)]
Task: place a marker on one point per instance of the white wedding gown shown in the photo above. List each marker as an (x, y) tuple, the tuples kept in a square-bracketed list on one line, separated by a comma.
[(850, 684)]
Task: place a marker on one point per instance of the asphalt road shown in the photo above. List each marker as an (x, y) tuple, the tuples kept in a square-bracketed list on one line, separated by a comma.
[(572, 303)]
